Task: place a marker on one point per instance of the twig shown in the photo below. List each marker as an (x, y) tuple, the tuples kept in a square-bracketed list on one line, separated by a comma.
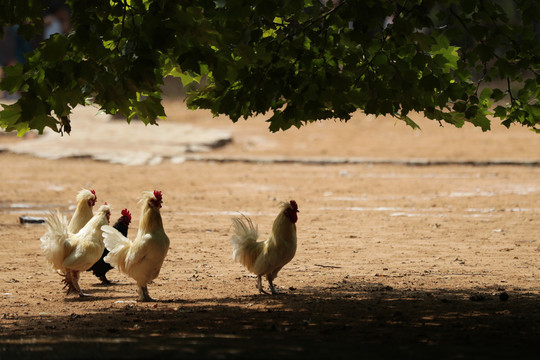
[(481, 80), (460, 274), (328, 266), (323, 15), (123, 22), (400, 10), (533, 71), (368, 65), (453, 12), (312, 21), (512, 99)]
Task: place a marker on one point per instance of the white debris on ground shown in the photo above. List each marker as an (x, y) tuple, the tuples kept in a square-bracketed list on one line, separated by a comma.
[(98, 137)]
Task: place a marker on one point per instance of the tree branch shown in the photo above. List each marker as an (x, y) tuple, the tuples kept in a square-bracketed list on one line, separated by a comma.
[(324, 15), (369, 63), (481, 80), (512, 99), (312, 21), (454, 14), (533, 71), (123, 23)]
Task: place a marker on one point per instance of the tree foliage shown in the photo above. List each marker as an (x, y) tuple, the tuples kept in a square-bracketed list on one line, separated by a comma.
[(456, 61)]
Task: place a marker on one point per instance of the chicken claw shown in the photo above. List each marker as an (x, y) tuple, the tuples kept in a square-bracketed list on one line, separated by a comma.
[(270, 282), (104, 280), (144, 295), (68, 283), (259, 285), (71, 281)]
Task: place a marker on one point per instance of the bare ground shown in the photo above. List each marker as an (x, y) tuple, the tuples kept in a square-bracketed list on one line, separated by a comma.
[(393, 261)]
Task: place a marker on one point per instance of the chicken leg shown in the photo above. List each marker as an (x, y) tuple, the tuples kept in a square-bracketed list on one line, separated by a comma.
[(71, 281), (143, 294), (259, 285), (104, 280), (76, 276), (68, 282), (270, 279)]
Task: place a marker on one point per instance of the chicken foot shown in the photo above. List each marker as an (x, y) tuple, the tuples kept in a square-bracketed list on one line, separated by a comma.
[(143, 294), (76, 277), (71, 281), (270, 279), (68, 282), (104, 280), (259, 285)]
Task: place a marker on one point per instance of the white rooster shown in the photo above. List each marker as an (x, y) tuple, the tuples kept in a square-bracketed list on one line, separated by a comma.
[(269, 256), (69, 253), (86, 199), (141, 259)]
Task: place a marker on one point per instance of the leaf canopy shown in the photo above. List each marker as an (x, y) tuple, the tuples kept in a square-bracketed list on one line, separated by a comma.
[(455, 61)]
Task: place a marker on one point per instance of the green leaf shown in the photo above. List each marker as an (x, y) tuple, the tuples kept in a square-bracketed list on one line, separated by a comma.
[(54, 48), (13, 79), (380, 59), (482, 121), (497, 95), (460, 106), (10, 115), (410, 122), (447, 55), (485, 52), (22, 128), (486, 94), (500, 112), (186, 78), (471, 112), (220, 3)]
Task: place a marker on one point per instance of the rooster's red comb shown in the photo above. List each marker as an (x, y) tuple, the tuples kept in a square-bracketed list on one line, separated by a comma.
[(158, 195), (126, 213), (294, 205), (94, 192)]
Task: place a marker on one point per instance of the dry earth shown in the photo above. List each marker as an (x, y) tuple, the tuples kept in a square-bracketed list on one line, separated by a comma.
[(393, 260)]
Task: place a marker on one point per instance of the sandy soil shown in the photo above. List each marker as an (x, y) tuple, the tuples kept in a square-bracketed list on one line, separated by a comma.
[(408, 261)]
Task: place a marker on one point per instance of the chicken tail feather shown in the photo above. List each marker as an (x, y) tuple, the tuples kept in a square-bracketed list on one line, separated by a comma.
[(244, 241), (118, 246), (55, 243)]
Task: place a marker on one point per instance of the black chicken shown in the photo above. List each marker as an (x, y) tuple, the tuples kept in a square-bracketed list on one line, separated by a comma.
[(100, 268)]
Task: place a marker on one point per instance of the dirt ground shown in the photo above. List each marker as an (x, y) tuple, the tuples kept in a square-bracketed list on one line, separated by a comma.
[(393, 260)]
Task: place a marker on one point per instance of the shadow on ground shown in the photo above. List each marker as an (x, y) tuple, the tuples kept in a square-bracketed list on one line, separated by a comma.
[(349, 319)]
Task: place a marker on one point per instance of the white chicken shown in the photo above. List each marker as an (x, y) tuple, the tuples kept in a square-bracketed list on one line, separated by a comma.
[(141, 259), (86, 199), (69, 253), (269, 256)]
